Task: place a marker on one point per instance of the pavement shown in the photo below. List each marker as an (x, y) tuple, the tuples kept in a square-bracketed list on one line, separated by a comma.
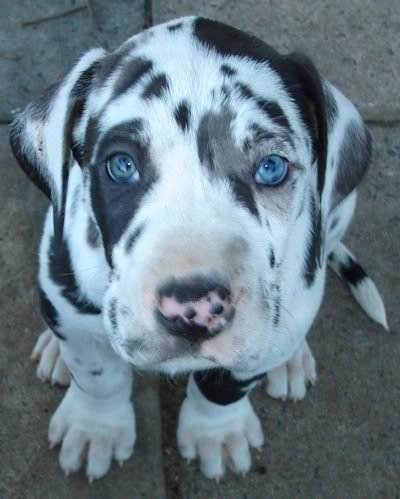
[(343, 440)]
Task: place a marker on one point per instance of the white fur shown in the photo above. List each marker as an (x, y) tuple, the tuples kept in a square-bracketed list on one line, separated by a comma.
[(218, 435)]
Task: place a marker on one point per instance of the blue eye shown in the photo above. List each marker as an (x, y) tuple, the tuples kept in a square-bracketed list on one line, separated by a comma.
[(272, 170), (122, 169)]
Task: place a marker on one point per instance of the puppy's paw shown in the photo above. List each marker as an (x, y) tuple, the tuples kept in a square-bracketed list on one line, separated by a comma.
[(51, 366), (219, 435), (92, 430), (290, 380)]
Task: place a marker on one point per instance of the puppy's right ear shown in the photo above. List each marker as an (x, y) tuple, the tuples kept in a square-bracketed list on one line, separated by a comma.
[(41, 136)]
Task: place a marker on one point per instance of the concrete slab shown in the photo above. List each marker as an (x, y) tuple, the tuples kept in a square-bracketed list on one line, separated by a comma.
[(46, 51), (343, 439), (354, 44), (27, 467)]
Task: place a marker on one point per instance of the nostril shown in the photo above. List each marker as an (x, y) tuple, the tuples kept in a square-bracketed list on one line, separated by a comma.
[(217, 309), (190, 313), (223, 293)]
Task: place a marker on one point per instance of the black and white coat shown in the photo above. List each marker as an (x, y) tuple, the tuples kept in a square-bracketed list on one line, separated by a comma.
[(164, 247)]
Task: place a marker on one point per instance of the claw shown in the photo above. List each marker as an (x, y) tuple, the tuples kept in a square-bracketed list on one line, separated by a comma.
[(120, 463), (90, 479), (66, 473), (52, 445), (188, 460), (244, 474)]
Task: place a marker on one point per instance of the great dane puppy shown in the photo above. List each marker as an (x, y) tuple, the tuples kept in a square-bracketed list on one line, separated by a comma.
[(200, 183)]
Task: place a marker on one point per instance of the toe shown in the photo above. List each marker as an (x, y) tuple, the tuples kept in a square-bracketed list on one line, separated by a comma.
[(210, 454), (239, 453), (72, 450), (99, 457), (277, 384)]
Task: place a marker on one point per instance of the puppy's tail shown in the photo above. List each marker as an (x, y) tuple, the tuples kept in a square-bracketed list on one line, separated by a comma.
[(361, 286)]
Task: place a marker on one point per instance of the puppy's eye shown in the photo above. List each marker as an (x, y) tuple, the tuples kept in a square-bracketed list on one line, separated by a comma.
[(272, 170), (122, 169)]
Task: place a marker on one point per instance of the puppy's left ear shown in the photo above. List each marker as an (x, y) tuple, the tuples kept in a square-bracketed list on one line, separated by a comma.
[(342, 141), (41, 136)]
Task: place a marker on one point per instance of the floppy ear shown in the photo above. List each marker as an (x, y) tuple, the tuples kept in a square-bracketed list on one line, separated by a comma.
[(341, 141), (41, 136), (349, 147)]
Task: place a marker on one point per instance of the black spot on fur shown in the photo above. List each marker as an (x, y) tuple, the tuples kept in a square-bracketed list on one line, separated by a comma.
[(111, 62), (220, 386), (112, 314), (50, 314), (204, 145), (228, 70), (157, 87), (352, 272), (91, 137), (82, 86), (246, 145), (175, 27), (130, 242), (314, 241), (230, 41), (276, 312), (93, 234), (272, 258), (182, 115), (274, 112), (131, 74), (225, 92), (244, 195), (244, 90), (96, 372), (260, 133), (62, 274)]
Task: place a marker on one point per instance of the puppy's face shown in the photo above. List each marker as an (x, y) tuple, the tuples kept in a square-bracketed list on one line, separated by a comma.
[(198, 163), (203, 155)]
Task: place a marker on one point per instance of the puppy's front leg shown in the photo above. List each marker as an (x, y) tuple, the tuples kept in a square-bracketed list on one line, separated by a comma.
[(217, 422), (96, 412)]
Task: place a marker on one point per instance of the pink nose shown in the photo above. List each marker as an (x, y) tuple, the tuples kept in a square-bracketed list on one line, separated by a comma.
[(194, 308)]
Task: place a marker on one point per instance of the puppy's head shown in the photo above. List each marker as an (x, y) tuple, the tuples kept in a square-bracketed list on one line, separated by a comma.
[(203, 155)]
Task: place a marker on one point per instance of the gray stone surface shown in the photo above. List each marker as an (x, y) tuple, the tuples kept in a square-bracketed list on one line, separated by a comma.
[(354, 43), (27, 467), (46, 51), (343, 439)]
